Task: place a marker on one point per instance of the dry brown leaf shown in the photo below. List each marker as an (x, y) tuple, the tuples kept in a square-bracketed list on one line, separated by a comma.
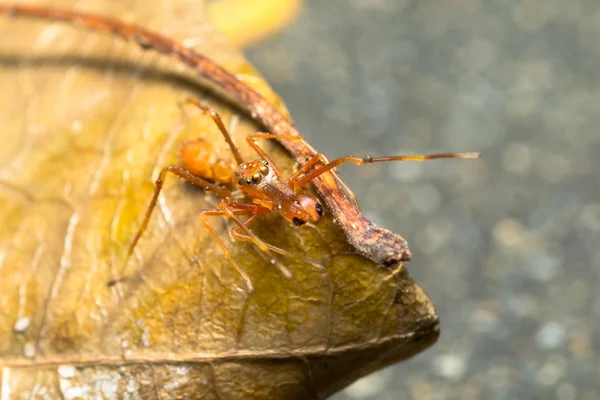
[(86, 122)]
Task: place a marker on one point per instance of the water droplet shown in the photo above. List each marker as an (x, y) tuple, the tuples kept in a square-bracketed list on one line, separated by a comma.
[(29, 350), (451, 366), (76, 126), (76, 392), (66, 371), (145, 338), (551, 336), (21, 324)]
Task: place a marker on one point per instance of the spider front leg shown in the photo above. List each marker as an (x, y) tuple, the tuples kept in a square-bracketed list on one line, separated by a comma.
[(233, 210), (316, 159), (240, 270), (235, 233), (303, 180), (241, 209)]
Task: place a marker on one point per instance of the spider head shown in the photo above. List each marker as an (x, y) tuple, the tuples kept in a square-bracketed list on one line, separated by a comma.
[(254, 173)]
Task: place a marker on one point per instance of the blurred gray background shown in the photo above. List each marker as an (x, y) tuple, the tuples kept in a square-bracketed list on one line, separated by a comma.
[(507, 247)]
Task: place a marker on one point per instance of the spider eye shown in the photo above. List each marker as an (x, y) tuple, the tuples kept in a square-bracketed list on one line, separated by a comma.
[(264, 170), (266, 163), (240, 181), (298, 221), (319, 208), (256, 178), (248, 181)]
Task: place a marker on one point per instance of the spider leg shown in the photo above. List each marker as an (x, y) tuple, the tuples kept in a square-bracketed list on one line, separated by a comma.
[(251, 139), (183, 174), (240, 208), (235, 232), (215, 213), (219, 122), (316, 159), (301, 181)]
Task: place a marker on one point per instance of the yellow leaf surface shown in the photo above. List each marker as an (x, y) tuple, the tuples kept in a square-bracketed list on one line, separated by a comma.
[(86, 123), (246, 22)]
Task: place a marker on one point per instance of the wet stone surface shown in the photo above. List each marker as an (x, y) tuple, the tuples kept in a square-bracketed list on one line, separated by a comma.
[(506, 246)]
